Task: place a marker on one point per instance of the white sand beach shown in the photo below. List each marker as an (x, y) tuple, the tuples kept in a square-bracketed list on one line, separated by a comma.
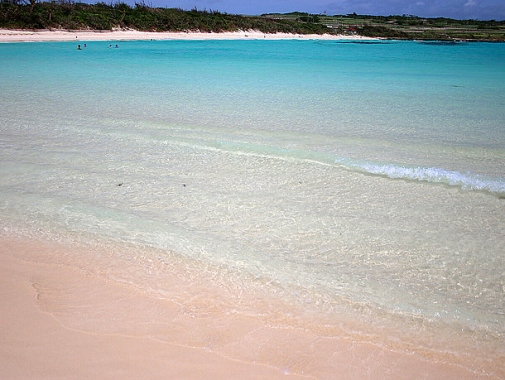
[(11, 35)]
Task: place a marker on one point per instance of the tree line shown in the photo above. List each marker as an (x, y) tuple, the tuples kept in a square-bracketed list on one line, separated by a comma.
[(31, 14), (71, 15)]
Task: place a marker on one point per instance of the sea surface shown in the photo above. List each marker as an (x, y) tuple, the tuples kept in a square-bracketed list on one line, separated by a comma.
[(362, 184)]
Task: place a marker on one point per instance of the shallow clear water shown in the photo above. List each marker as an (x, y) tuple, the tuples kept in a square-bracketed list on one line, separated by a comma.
[(360, 181)]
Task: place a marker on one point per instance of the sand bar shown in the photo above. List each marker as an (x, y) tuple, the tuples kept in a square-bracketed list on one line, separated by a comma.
[(11, 35)]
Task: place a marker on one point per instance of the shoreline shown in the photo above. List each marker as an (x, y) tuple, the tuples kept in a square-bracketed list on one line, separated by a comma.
[(69, 315), (59, 321), (158, 279), (12, 35)]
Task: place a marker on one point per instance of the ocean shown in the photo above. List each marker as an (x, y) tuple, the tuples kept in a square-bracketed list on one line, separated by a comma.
[(352, 188)]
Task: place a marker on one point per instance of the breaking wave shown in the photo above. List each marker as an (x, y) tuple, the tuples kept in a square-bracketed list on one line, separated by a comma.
[(466, 181)]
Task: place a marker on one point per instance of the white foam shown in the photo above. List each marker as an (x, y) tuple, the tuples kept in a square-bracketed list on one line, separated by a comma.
[(468, 181)]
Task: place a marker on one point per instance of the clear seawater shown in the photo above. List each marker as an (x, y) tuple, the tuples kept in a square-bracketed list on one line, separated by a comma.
[(359, 181)]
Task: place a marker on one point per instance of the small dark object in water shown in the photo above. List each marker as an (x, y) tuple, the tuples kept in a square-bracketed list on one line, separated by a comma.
[(120, 184), (183, 185)]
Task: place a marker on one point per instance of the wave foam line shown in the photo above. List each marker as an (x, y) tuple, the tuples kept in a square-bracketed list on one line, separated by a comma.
[(435, 175), (469, 181)]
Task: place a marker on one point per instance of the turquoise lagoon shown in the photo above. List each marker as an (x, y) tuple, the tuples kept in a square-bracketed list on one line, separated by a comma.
[(362, 183)]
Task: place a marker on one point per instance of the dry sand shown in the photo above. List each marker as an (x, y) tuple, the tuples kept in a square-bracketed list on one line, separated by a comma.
[(7, 35), (61, 320)]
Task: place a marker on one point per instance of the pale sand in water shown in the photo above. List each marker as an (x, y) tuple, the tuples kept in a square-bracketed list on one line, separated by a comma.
[(64, 317), (7, 35), (61, 319)]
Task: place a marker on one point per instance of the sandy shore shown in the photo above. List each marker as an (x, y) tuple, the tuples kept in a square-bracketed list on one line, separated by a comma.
[(38, 342), (7, 35), (62, 320), (66, 311)]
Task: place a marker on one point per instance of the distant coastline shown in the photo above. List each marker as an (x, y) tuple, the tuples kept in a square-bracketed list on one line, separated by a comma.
[(80, 18), (12, 35)]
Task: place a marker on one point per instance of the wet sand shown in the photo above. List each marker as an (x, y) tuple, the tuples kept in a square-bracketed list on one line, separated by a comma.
[(63, 320)]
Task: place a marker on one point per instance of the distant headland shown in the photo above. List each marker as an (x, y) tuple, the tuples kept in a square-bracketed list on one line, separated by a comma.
[(70, 16)]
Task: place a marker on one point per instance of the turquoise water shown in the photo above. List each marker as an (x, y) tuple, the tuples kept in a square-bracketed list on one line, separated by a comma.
[(357, 180)]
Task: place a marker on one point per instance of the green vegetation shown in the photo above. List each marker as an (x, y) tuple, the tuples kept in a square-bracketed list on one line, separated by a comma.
[(100, 16), (410, 27), (66, 14)]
